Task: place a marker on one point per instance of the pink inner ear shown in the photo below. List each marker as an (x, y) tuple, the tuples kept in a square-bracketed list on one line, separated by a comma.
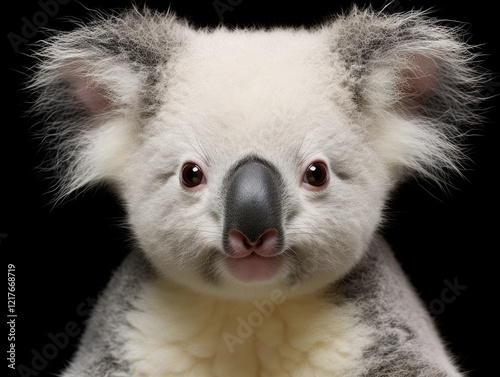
[(420, 78), (94, 97)]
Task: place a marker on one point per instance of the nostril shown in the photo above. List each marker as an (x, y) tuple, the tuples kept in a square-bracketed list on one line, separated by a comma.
[(266, 244), (246, 244), (259, 242), (240, 246)]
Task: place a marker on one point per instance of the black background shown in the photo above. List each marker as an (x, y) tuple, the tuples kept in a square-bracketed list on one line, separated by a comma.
[(64, 255)]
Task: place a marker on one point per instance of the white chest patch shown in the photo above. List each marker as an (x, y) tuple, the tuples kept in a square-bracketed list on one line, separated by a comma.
[(175, 332)]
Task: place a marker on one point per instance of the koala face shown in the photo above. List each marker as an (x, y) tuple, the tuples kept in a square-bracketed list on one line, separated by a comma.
[(253, 160), (250, 149)]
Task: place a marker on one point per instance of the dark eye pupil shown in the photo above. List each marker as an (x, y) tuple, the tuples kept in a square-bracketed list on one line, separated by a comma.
[(316, 174), (192, 175)]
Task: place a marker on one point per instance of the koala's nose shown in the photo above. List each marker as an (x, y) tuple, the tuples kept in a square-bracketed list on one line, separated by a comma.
[(240, 246), (253, 214)]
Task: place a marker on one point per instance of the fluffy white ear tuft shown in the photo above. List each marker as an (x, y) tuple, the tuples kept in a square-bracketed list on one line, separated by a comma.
[(90, 109), (417, 82), (94, 86)]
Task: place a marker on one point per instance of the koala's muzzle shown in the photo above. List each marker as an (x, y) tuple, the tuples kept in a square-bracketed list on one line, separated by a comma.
[(253, 213)]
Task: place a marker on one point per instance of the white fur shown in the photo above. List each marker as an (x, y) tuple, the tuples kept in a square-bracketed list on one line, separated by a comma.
[(176, 332)]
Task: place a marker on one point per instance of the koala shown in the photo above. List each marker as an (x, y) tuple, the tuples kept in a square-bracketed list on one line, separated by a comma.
[(254, 167)]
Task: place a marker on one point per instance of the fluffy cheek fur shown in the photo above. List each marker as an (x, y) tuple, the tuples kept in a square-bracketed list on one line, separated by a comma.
[(333, 230), (177, 229)]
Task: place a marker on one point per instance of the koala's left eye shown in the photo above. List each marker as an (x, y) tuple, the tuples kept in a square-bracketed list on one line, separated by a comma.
[(316, 174), (192, 175)]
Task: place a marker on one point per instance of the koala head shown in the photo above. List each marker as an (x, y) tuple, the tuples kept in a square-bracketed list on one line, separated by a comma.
[(250, 160)]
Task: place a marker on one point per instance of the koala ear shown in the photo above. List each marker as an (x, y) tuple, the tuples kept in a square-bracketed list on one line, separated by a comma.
[(96, 88), (93, 86), (94, 95), (416, 82)]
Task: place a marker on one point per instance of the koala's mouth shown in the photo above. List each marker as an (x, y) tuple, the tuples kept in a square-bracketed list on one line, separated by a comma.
[(254, 267), (252, 261)]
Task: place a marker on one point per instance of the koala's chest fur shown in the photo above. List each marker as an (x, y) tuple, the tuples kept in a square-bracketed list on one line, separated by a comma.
[(174, 332)]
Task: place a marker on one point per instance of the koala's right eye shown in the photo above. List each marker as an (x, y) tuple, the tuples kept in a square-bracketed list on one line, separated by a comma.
[(192, 175)]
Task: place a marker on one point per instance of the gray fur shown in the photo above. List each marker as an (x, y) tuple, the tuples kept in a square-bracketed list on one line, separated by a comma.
[(406, 340), (100, 352)]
